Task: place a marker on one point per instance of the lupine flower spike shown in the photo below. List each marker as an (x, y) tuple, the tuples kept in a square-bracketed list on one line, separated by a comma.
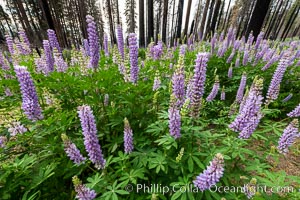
[(214, 90), (288, 137), (83, 192), (89, 131), (30, 103), (128, 137), (295, 112), (72, 151), (212, 174)]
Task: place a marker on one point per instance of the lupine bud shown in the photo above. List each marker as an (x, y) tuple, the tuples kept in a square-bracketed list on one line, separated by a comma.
[(7, 92), (61, 65), (25, 40), (229, 74), (237, 62), (128, 137), (16, 128), (86, 47), (240, 92), (198, 81), (180, 154), (288, 137), (223, 94), (214, 90), (212, 174), (106, 100), (120, 41), (213, 43), (48, 56), (72, 151), (30, 103), (295, 112), (3, 141), (287, 98), (89, 131), (157, 82), (93, 42), (105, 45), (10, 44), (230, 57), (178, 82), (83, 193), (133, 53), (53, 40), (249, 115), (270, 62), (274, 87), (246, 57)]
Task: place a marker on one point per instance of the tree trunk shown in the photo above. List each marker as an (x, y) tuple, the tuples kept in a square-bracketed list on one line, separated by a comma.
[(290, 22), (111, 23), (204, 17), (215, 17), (187, 18), (141, 23), (271, 24), (207, 29), (47, 14), (226, 15), (258, 16), (180, 15), (220, 14), (150, 21), (165, 19)]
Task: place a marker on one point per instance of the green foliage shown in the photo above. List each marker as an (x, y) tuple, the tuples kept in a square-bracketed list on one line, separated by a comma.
[(34, 165)]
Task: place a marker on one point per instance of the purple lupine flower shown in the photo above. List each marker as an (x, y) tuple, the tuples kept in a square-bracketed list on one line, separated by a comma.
[(72, 151), (230, 35), (295, 112), (89, 131), (3, 62), (133, 53), (120, 41), (128, 137), (240, 92), (213, 43), (178, 82), (61, 65), (274, 87), (30, 103), (182, 50), (246, 57), (251, 126), (259, 39), (198, 81), (20, 48), (250, 40), (156, 51), (25, 39), (270, 62), (221, 38), (212, 174), (105, 45), (237, 62), (157, 82), (93, 42), (86, 47), (251, 108), (41, 65), (229, 74), (83, 192), (16, 128), (174, 121), (288, 137), (10, 44), (48, 56), (53, 40), (223, 94), (260, 54), (106, 100), (287, 98), (214, 90), (7, 92), (230, 56), (3, 141)]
